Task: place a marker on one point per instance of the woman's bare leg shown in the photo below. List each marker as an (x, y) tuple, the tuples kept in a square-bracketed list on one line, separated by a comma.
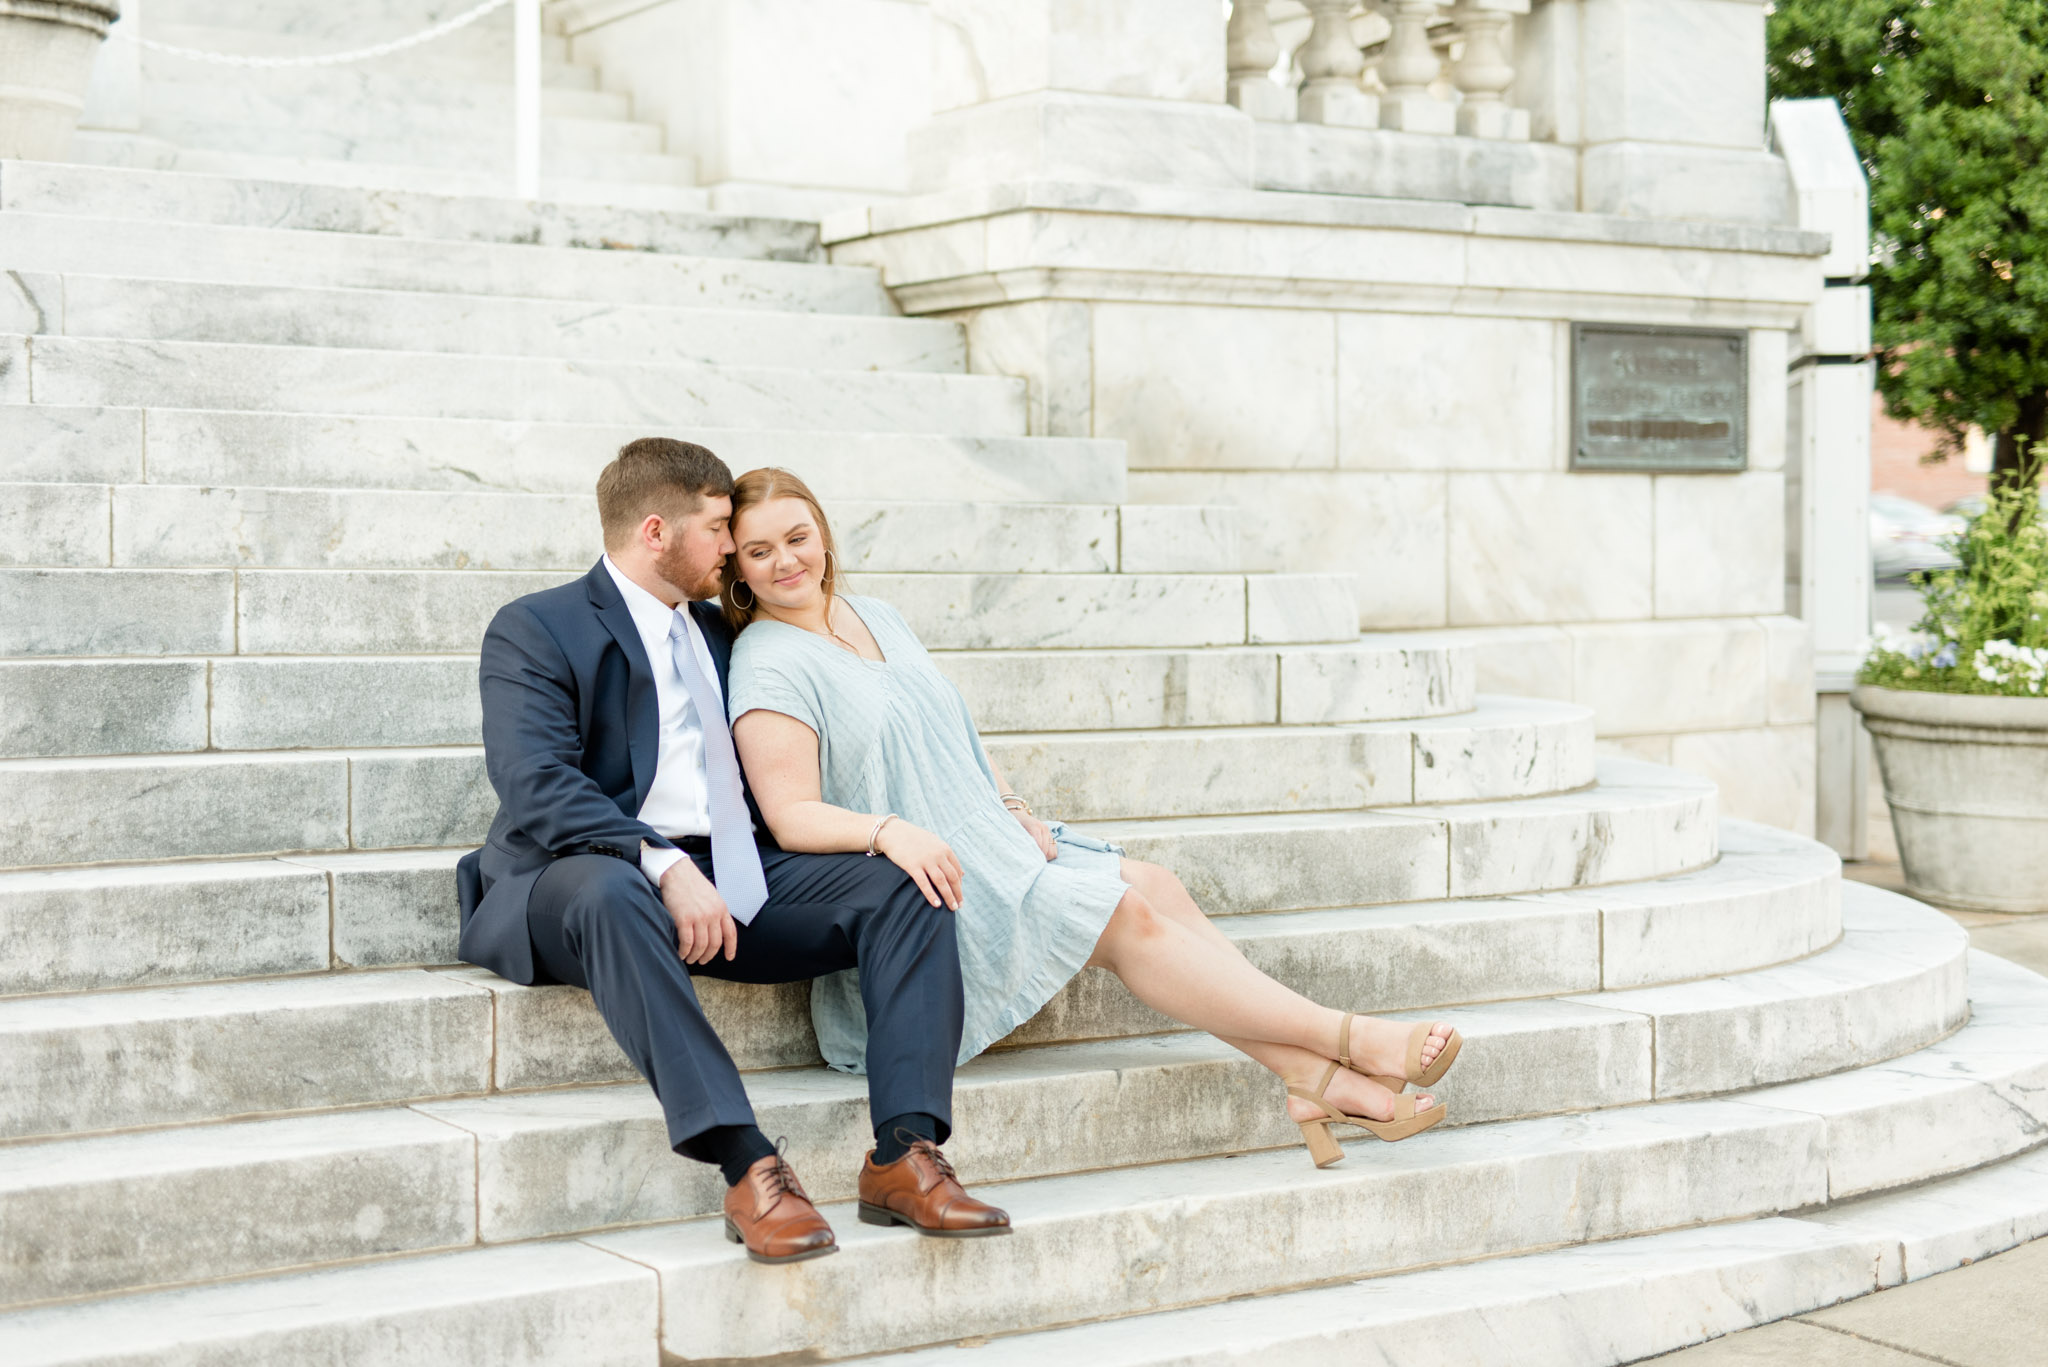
[(1296, 1065)]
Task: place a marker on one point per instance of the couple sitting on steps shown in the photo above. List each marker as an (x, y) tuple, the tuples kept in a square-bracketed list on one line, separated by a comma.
[(847, 827)]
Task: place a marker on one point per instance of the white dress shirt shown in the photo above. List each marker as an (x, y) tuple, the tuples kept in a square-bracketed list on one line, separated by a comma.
[(678, 801)]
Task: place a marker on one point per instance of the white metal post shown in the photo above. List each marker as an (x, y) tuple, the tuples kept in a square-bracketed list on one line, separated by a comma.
[(526, 98)]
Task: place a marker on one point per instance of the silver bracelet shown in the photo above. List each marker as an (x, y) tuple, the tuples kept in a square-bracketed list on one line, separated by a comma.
[(1007, 798), (876, 834)]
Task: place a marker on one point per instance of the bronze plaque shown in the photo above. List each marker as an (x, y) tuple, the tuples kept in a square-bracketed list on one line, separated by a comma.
[(1655, 398)]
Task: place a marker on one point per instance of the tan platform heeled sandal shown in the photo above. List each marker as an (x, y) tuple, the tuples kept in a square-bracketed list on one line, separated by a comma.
[(1423, 1078), (1323, 1147)]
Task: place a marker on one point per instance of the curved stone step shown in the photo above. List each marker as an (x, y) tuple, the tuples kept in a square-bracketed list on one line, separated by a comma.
[(1642, 821), (100, 445), (381, 178), (1769, 898), (362, 99), (460, 139), (1219, 1228), (173, 526), (55, 708), (536, 1305), (493, 216), (216, 1051), (441, 796), (235, 254), (1505, 749), (94, 371), (570, 1157), (1592, 1306), (133, 612), (436, 321)]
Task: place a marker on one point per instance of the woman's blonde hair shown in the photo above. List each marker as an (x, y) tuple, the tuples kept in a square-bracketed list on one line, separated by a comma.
[(762, 486)]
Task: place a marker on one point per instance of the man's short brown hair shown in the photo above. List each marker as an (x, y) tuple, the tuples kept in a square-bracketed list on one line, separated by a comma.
[(656, 475)]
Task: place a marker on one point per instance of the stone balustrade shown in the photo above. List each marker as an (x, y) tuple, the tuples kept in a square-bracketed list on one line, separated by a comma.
[(1413, 66)]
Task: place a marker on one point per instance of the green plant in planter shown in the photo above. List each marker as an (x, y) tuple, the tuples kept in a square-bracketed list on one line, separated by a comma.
[(1986, 620)]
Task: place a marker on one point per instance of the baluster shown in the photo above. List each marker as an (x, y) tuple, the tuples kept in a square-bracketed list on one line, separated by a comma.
[(1486, 70), (1251, 54), (1330, 66), (1408, 68)]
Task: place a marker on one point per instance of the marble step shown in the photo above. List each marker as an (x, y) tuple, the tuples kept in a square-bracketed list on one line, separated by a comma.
[(479, 50), (1598, 1305), (175, 526), (1768, 898), (536, 1305), (187, 197), (1249, 1225), (229, 253), (89, 372), (57, 708), (175, 1055), (589, 149), (522, 1162), (421, 134), (404, 612), (364, 96), (392, 320), (385, 18), (94, 809), (407, 134), (1422, 957), (50, 443), (562, 184), (1641, 821), (105, 809), (1507, 748)]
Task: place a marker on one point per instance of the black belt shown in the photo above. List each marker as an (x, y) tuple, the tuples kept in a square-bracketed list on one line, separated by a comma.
[(692, 844)]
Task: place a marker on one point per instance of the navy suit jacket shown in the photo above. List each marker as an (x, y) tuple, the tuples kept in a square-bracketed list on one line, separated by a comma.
[(571, 737)]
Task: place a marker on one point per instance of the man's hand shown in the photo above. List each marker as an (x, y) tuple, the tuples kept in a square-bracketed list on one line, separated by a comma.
[(703, 924)]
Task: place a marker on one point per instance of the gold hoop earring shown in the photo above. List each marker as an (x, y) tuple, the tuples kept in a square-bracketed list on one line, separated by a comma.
[(831, 567), (747, 606)]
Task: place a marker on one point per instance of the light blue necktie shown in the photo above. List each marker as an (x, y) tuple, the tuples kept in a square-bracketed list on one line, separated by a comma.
[(735, 859)]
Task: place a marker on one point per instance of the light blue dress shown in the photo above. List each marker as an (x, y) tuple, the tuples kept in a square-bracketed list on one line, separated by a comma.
[(896, 736)]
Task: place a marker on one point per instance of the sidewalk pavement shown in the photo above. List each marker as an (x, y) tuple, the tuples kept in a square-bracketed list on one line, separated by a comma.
[(1992, 1313)]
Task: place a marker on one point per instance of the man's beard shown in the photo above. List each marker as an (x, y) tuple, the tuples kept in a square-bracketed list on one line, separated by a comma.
[(673, 567)]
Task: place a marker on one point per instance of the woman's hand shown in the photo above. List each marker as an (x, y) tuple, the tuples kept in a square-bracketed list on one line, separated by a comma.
[(1038, 831), (928, 860)]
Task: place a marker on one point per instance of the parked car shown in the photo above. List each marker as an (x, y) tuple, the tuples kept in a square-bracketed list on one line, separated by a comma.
[(1970, 505), (1907, 536)]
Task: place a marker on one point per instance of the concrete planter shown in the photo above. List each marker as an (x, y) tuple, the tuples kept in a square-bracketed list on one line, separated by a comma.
[(47, 49), (1967, 780)]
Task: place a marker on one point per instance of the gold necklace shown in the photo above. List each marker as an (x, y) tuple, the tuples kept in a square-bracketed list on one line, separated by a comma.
[(828, 631)]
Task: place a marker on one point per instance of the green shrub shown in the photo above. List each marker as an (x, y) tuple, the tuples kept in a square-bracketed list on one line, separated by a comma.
[(1986, 621)]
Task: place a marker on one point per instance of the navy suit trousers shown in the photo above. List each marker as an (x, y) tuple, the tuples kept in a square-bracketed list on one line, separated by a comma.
[(596, 922)]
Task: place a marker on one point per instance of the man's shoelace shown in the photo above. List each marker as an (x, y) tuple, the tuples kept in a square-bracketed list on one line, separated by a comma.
[(931, 1151)]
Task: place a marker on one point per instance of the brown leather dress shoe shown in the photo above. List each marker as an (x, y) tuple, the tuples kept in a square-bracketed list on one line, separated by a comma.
[(769, 1213), (920, 1190)]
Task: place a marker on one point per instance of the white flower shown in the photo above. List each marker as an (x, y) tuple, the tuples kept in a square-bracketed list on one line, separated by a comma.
[(2005, 663)]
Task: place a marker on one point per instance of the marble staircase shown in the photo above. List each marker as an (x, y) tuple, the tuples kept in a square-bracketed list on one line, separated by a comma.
[(435, 117), (270, 456)]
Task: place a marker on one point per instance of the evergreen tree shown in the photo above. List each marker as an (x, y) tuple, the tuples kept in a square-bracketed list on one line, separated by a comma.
[(1947, 102)]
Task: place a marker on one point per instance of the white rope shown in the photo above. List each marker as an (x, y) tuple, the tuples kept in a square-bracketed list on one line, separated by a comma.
[(363, 54)]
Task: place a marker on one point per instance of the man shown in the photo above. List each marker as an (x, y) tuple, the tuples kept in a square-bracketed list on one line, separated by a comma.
[(627, 855)]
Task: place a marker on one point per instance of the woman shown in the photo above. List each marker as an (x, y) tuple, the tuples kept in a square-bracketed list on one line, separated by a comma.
[(853, 740)]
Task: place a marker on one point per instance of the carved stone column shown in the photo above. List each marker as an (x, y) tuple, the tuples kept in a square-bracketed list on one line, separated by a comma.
[(1486, 70), (1331, 64), (1252, 53), (1409, 68), (47, 49)]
